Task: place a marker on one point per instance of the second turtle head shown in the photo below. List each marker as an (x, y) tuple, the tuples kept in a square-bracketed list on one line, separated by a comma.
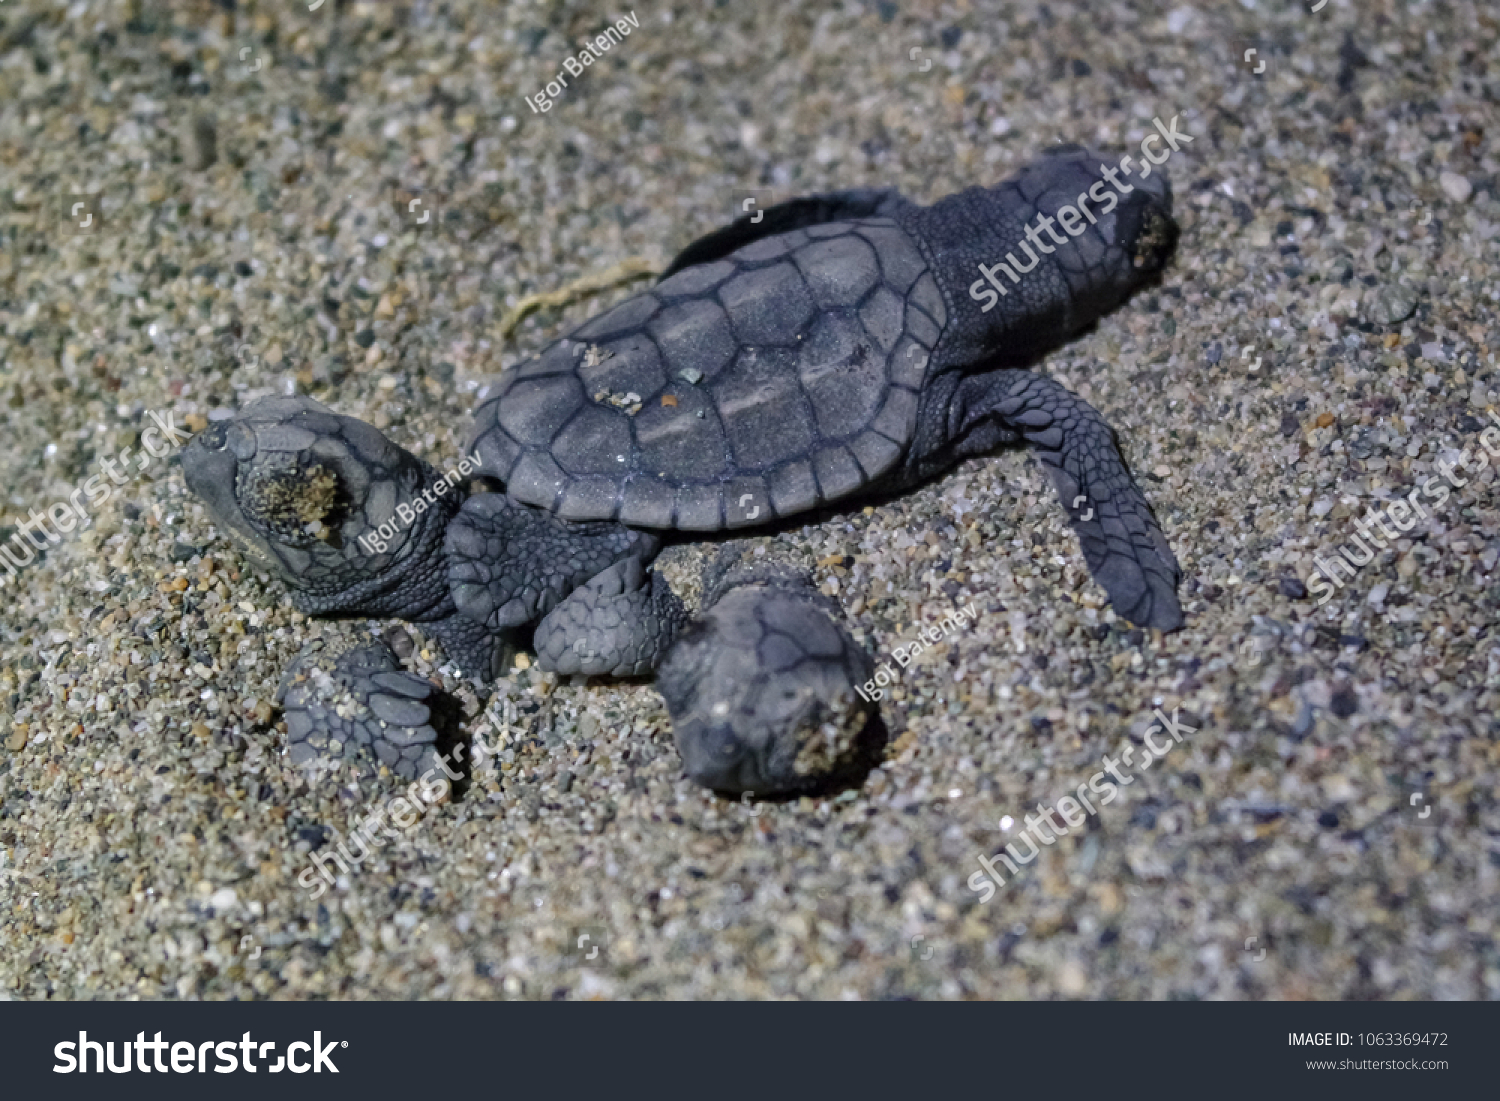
[(324, 501)]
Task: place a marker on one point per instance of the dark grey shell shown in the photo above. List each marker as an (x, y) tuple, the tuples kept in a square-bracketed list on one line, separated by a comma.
[(795, 365)]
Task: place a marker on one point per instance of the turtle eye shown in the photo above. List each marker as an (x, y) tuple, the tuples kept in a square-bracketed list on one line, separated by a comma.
[(215, 435)]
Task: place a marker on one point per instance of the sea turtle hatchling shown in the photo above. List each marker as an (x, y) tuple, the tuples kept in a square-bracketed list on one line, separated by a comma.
[(832, 348)]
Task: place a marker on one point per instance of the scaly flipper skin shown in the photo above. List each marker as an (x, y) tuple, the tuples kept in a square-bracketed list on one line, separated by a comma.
[(619, 624), (509, 565), (343, 697), (762, 688), (1122, 544)]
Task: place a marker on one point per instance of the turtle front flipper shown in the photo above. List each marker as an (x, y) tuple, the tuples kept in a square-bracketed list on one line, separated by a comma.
[(763, 690), (810, 210), (479, 652), (344, 697), (509, 565), (620, 624), (1122, 544)]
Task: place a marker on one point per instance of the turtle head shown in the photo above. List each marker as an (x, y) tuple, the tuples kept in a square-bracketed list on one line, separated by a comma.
[(325, 501), (1147, 230), (763, 693), (1142, 228)]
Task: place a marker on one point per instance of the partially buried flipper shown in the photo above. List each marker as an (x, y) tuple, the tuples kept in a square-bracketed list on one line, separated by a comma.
[(345, 698)]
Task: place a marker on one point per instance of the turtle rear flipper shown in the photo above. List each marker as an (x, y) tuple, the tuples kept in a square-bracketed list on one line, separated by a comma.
[(810, 210)]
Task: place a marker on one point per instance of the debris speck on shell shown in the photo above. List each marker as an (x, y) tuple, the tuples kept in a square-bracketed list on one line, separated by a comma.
[(594, 355), (630, 402), (833, 738)]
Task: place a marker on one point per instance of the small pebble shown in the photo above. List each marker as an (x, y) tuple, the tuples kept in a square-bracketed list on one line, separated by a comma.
[(1393, 304), (400, 642), (200, 143), (1456, 187)]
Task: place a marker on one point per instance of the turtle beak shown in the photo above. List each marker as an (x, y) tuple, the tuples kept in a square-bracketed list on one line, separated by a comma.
[(211, 467), (714, 756)]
